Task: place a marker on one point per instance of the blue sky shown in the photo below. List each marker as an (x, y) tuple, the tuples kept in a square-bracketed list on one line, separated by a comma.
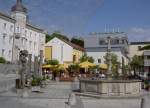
[(80, 17)]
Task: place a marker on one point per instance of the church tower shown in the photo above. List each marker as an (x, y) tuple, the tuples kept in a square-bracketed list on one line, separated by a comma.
[(19, 13)]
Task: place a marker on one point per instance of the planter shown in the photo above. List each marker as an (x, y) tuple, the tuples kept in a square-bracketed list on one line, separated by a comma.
[(36, 88)]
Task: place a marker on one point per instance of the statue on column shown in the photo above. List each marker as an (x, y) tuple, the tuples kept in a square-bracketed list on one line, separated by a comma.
[(109, 71), (23, 62)]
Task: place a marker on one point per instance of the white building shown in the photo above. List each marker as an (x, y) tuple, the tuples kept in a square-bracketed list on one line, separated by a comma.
[(16, 33), (63, 51), (96, 46)]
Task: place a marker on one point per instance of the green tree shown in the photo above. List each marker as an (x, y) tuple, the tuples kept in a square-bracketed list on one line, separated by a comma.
[(74, 68), (136, 62), (56, 34), (2, 60), (53, 62), (86, 58), (78, 41), (147, 47), (48, 38)]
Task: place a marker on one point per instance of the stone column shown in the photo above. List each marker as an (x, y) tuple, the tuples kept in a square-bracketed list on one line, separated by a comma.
[(36, 64), (109, 71), (41, 62), (29, 66)]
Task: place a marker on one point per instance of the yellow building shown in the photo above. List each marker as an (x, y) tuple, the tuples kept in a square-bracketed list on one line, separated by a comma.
[(77, 54), (63, 51), (48, 52)]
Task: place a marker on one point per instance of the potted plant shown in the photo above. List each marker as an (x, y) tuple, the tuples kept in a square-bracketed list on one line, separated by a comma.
[(35, 83)]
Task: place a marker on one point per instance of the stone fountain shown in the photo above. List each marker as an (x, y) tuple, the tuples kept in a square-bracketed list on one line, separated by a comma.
[(110, 86)]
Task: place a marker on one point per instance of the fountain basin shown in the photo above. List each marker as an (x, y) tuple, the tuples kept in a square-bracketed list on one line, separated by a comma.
[(111, 87)]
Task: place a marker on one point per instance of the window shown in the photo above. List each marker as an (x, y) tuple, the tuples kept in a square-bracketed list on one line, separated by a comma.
[(3, 52), (99, 60), (35, 36), (117, 41), (74, 58), (4, 37), (22, 41), (123, 41), (11, 28), (30, 34), (148, 57), (25, 33), (10, 39), (30, 42), (62, 53), (9, 53), (101, 42), (34, 45), (17, 29), (5, 25)]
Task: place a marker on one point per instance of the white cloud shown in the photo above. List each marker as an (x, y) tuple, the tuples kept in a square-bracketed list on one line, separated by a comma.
[(139, 34)]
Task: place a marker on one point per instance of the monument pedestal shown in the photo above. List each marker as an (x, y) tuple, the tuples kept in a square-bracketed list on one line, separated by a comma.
[(111, 87)]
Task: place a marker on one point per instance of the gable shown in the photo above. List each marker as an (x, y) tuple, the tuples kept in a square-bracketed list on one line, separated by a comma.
[(56, 41)]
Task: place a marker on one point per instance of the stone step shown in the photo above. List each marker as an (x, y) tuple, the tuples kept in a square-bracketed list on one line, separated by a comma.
[(7, 82)]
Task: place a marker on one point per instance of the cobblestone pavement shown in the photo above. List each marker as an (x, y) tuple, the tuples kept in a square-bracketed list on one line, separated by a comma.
[(56, 94)]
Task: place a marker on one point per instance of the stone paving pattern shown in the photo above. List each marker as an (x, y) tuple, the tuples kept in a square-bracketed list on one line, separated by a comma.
[(56, 94)]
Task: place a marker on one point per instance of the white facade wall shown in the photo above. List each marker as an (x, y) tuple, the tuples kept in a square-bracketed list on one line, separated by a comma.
[(100, 55), (61, 50), (6, 38), (32, 44), (31, 39), (134, 50), (17, 34)]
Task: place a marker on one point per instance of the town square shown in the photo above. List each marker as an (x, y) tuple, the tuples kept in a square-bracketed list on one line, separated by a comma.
[(74, 54)]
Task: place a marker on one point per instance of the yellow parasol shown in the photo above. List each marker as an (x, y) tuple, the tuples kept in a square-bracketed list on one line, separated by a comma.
[(47, 66), (86, 64), (103, 66)]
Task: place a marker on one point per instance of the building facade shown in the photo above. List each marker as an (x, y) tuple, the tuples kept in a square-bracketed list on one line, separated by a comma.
[(96, 46), (63, 51), (134, 49), (146, 55), (16, 33)]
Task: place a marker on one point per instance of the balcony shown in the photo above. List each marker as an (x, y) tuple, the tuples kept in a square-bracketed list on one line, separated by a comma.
[(146, 53), (146, 62)]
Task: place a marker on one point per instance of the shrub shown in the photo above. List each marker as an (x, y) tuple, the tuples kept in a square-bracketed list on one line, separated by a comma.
[(2, 60), (53, 62), (36, 81), (47, 77)]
